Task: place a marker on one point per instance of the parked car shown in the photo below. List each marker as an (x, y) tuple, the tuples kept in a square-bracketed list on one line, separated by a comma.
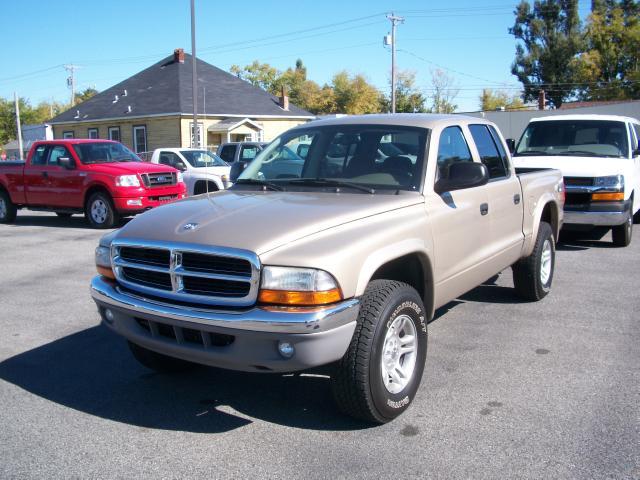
[(285, 274), (599, 156), (101, 178), (202, 170), (239, 154)]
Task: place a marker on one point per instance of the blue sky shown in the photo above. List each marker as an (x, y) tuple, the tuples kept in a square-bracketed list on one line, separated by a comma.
[(112, 40)]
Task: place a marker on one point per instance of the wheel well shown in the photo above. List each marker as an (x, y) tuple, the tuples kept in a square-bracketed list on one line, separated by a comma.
[(413, 269), (94, 189), (202, 186), (550, 215)]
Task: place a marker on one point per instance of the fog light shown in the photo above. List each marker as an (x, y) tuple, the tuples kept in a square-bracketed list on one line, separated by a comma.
[(135, 202), (286, 349), (108, 315)]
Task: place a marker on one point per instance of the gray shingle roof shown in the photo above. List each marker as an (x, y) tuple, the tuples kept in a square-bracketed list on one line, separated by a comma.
[(166, 88)]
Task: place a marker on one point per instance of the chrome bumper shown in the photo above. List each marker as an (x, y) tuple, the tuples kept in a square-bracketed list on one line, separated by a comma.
[(609, 219), (277, 320)]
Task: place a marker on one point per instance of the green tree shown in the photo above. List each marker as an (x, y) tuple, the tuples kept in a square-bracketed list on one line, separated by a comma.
[(551, 38), (85, 94), (354, 95), (259, 74), (494, 100), (409, 99), (444, 93)]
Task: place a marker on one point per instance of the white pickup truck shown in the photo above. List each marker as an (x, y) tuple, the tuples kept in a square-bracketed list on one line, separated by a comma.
[(599, 156), (202, 170)]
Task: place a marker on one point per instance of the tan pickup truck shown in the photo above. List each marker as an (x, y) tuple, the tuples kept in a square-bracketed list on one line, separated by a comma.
[(335, 254)]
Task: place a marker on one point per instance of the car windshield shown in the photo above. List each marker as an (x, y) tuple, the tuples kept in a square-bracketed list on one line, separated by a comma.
[(104, 152), (354, 158), (580, 138), (202, 158)]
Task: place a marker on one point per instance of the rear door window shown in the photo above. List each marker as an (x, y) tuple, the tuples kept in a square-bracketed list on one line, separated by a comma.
[(228, 152), (488, 151), (248, 153), (40, 155)]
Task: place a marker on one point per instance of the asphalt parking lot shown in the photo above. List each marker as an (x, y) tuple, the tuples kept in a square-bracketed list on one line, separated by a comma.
[(510, 390)]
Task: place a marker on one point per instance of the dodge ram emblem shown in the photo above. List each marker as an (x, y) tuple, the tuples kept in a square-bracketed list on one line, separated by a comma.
[(189, 226)]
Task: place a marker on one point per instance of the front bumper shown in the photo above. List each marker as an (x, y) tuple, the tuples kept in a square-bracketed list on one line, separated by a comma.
[(607, 214), (235, 339), (141, 199)]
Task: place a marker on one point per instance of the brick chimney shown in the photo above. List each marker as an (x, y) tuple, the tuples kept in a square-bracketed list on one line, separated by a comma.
[(542, 100), (284, 100), (178, 55)]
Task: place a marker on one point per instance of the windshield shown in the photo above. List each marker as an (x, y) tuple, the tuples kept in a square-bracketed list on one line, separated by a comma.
[(580, 138), (349, 156), (203, 158), (103, 152)]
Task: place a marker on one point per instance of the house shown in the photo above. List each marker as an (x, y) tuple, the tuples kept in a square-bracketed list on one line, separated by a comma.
[(154, 108)]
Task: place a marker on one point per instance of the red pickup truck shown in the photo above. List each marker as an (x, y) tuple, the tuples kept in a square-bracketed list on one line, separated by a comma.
[(101, 178)]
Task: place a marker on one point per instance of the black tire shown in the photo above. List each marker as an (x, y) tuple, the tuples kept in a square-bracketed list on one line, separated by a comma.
[(527, 272), (108, 216), (621, 234), (8, 210), (636, 217), (64, 214), (357, 380), (159, 362)]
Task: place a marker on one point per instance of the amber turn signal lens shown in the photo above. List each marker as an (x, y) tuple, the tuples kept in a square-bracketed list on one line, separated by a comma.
[(283, 297), (607, 196), (105, 272)]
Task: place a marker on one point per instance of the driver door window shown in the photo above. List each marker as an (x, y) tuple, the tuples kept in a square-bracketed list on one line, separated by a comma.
[(452, 148)]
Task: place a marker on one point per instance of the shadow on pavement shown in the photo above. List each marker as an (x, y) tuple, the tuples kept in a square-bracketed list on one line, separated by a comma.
[(52, 220), (92, 371)]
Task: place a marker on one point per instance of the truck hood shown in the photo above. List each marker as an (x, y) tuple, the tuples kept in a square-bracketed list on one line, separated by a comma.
[(258, 221), (124, 168), (577, 166)]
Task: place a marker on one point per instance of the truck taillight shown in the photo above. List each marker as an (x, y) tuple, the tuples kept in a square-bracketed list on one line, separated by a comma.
[(562, 191)]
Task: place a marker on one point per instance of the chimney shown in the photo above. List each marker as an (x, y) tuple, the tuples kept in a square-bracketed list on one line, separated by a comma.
[(284, 100), (541, 100), (178, 55)]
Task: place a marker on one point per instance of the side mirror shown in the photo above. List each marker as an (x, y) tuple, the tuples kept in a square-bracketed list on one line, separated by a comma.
[(180, 166), (511, 144), (236, 169), (66, 162), (463, 175)]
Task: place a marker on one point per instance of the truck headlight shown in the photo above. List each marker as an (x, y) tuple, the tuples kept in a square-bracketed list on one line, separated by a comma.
[(613, 182), (298, 286), (225, 180), (103, 262), (180, 177), (127, 181)]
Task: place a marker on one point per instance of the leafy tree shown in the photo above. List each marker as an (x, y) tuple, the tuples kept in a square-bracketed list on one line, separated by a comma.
[(28, 115), (551, 38), (444, 92), (86, 94), (354, 95), (409, 99), (494, 100), (259, 74)]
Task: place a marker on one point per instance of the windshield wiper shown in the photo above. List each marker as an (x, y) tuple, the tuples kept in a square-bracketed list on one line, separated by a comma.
[(579, 153), (262, 183), (531, 152), (326, 182)]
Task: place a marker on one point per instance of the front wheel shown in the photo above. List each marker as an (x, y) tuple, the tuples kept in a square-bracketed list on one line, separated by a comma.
[(622, 233), (379, 375), (8, 210), (100, 211), (532, 275)]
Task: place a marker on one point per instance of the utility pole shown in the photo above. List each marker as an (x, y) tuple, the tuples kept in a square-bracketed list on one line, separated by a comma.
[(394, 21), (196, 141), (18, 127), (71, 81)]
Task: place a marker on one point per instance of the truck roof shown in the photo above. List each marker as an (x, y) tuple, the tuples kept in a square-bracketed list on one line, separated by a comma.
[(71, 141), (585, 116), (424, 120)]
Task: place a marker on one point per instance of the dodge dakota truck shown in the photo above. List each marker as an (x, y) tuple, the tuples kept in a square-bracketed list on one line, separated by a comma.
[(599, 156), (100, 178), (341, 263)]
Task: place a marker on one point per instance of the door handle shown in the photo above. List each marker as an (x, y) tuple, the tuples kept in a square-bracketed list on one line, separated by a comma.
[(516, 198), (484, 208)]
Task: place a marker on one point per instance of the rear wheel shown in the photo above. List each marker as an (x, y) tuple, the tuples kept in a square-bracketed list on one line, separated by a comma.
[(100, 212), (159, 362), (622, 233), (380, 373), (532, 276), (8, 210)]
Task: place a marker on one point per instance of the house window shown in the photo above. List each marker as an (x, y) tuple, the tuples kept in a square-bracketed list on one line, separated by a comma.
[(114, 134), (140, 138), (200, 135), (67, 134), (92, 133)]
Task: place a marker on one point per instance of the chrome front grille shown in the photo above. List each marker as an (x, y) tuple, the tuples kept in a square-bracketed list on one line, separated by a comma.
[(159, 179), (187, 273)]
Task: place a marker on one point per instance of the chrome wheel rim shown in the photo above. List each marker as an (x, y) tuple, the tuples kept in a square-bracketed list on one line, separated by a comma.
[(99, 211), (3, 208), (545, 262), (399, 354)]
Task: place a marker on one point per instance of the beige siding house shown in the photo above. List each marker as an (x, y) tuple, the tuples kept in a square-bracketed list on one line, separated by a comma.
[(154, 108)]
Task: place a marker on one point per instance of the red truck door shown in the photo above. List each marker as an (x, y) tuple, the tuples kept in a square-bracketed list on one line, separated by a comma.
[(65, 185), (36, 177)]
